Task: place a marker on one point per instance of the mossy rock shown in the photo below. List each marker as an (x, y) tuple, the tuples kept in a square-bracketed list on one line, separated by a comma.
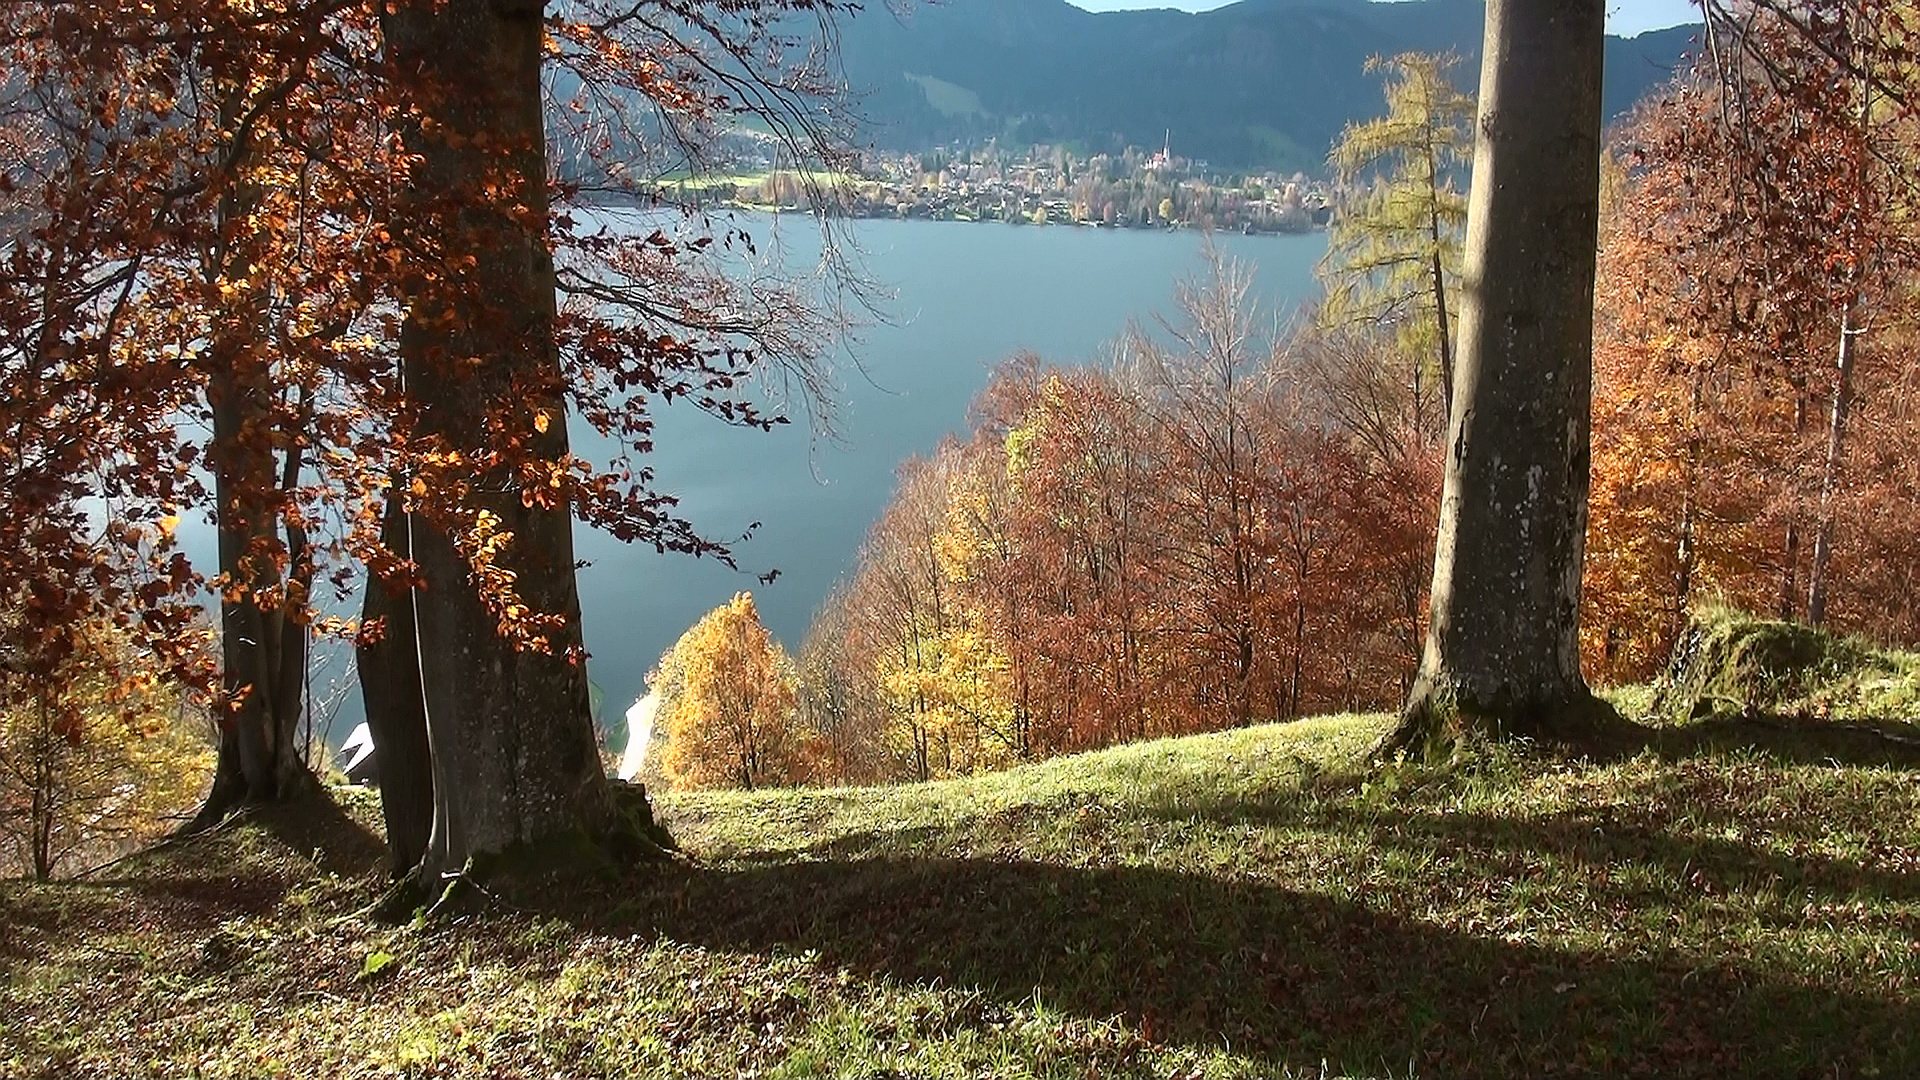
[(1727, 662)]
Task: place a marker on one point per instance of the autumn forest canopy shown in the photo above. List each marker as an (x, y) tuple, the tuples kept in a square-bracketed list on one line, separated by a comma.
[(1224, 524)]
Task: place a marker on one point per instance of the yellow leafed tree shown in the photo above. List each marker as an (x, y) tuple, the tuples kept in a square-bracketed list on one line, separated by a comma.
[(95, 753), (729, 705)]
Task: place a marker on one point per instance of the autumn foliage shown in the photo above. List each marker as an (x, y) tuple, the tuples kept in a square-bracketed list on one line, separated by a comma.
[(728, 705), (98, 754), (1214, 529), (337, 278), (1754, 415)]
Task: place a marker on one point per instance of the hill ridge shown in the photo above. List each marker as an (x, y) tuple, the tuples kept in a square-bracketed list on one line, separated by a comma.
[(1259, 84)]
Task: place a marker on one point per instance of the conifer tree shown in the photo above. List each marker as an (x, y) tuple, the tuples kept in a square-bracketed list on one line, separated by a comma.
[(1393, 251)]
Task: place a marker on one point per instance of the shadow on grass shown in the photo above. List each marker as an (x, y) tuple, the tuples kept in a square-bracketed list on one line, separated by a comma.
[(1683, 865), (1290, 978), (1597, 839), (318, 827), (242, 868)]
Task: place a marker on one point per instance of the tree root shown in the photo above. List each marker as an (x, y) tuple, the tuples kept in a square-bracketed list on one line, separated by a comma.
[(1438, 720), (630, 837)]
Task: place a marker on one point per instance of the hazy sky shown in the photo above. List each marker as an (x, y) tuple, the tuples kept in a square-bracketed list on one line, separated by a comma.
[(1623, 16)]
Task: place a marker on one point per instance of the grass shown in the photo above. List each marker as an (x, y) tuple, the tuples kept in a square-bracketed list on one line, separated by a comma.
[(948, 99), (1248, 904)]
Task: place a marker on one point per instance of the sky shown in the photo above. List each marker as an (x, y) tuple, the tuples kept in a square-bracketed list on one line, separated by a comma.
[(1624, 17)]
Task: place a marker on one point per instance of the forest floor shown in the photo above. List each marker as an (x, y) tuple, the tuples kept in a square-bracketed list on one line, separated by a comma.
[(1740, 898)]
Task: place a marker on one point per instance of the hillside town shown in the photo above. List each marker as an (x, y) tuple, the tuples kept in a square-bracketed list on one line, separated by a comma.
[(1050, 185)]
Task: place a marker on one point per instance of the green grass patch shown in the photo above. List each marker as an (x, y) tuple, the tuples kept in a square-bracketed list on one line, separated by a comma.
[(1256, 903), (948, 99)]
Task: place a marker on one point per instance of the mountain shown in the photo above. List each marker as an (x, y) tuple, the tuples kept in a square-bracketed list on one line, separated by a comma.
[(1260, 83)]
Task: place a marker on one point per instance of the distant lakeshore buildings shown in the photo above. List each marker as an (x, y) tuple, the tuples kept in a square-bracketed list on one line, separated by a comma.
[(1044, 185)]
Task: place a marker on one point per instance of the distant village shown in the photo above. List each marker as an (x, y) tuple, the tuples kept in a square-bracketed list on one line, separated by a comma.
[(1048, 185)]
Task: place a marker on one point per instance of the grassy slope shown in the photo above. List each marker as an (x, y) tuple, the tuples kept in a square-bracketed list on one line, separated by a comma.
[(1235, 904)]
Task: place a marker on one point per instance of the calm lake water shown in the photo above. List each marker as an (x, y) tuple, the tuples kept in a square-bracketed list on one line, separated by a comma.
[(965, 296)]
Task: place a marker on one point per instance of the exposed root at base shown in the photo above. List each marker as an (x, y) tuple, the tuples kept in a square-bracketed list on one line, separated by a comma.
[(518, 877), (1436, 722)]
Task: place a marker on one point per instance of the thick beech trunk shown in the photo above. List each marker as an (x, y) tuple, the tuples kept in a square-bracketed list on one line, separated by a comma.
[(396, 707), (263, 651), (514, 759), (1502, 653)]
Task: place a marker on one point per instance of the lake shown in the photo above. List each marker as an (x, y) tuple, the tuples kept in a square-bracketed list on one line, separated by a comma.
[(964, 297)]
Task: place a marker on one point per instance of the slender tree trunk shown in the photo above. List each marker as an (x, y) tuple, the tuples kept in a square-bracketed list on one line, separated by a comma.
[(1446, 342), (1790, 560), (44, 796), (263, 651), (1299, 643), (1439, 293), (1687, 549), (510, 729), (396, 707), (1502, 653), (1830, 475)]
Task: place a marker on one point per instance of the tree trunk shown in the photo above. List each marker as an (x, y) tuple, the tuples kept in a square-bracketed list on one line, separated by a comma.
[(1502, 654), (1830, 476), (263, 651), (45, 797), (1686, 550), (514, 759), (1438, 269), (396, 707), (1790, 557)]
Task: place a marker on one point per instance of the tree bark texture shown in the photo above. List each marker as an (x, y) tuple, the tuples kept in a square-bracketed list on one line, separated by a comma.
[(514, 758), (396, 707), (263, 651), (1502, 653)]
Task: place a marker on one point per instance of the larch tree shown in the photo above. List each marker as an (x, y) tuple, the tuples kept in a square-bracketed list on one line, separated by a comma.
[(729, 705), (1502, 653), (1393, 253)]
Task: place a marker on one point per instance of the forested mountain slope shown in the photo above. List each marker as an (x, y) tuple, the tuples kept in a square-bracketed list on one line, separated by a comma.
[(1260, 83)]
